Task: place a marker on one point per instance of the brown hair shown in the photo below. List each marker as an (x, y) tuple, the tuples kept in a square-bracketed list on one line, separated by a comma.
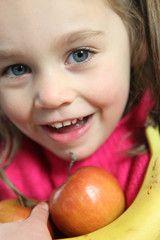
[(9, 140), (151, 15), (142, 19)]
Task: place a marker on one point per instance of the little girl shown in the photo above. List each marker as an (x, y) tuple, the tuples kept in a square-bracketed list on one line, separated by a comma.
[(76, 77)]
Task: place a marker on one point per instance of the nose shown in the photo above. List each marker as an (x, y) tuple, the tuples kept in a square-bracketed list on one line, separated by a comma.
[(53, 91)]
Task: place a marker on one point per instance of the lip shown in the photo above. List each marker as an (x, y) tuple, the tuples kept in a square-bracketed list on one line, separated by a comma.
[(70, 136)]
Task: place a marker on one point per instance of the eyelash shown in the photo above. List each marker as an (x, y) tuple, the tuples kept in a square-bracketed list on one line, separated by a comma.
[(7, 70), (87, 51)]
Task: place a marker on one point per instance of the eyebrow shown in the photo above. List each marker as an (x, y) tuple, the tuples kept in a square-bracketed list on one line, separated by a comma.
[(81, 35), (9, 53), (64, 40)]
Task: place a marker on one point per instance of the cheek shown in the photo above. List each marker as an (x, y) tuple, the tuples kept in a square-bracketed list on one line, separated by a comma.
[(15, 107), (109, 85)]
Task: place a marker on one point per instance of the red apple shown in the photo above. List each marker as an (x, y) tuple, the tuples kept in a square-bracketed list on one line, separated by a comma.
[(88, 200), (11, 210)]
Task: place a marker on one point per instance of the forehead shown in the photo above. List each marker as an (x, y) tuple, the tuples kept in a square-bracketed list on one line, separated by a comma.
[(41, 19), (20, 12)]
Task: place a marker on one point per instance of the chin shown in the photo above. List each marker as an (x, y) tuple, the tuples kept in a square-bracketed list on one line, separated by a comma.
[(80, 153)]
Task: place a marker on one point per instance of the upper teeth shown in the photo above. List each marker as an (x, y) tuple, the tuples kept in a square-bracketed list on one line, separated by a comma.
[(65, 123)]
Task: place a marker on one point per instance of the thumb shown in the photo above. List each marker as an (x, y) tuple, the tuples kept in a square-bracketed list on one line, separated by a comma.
[(40, 212)]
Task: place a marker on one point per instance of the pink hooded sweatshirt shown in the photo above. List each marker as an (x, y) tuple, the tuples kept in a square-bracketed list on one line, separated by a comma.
[(36, 171)]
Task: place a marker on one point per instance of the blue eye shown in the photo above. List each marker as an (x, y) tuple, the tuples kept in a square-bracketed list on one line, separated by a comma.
[(17, 70), (79, 56)]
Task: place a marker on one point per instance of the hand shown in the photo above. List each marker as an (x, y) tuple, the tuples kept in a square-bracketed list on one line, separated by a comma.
[(33, 228)]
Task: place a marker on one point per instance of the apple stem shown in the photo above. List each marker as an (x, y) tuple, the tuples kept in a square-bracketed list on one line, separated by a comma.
[(24, 200), (73, 159)]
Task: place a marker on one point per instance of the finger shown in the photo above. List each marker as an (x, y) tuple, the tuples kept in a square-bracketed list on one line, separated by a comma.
[(40, 212)]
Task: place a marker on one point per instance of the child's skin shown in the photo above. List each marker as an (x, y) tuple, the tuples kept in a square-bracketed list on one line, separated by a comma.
[(33, 228), (53, 84)]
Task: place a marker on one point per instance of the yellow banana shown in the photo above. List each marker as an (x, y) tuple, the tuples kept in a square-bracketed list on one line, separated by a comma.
[(142, 219)]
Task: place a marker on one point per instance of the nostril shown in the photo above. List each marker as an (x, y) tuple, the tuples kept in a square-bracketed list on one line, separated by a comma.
[(53, 100)]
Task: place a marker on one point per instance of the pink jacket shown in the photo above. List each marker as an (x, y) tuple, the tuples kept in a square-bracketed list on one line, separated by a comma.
[(36, 171)]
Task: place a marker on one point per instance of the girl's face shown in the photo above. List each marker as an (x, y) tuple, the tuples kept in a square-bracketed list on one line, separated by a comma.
[(64, 72)]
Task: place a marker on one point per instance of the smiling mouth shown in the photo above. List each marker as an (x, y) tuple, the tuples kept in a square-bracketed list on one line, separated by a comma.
[(68, 126)]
